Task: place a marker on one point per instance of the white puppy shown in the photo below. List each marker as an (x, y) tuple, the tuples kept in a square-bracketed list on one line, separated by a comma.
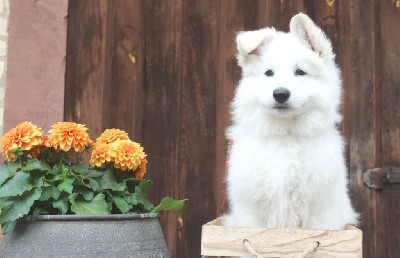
[(286, 165)]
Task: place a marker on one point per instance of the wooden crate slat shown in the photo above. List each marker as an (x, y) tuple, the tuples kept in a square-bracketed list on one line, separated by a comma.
[(218, 240)]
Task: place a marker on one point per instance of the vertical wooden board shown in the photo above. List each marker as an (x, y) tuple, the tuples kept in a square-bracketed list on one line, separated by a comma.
[(198, 104), (387, 225), (126, 91), (277, 13), (325, 15), (387, 203), (160, 105), (235, 16), (390, 82), (358, 43), (88, 63)]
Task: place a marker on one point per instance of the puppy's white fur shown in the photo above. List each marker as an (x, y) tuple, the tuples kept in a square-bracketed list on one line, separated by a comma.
[(286, 166)]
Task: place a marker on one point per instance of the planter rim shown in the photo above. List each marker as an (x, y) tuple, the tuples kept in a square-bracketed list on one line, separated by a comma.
[(100, 217)]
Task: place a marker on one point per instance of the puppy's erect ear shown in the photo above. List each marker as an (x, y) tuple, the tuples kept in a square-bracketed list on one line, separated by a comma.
[(248, 43), (311, 35)]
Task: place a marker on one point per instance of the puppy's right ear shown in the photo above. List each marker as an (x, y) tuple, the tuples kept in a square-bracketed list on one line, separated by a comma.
[(249, 42)]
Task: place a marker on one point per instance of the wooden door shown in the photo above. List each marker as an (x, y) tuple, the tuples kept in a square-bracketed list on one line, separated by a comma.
[(165, 72)]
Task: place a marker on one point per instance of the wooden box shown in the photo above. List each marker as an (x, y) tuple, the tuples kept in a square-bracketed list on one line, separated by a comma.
[(217, 240)]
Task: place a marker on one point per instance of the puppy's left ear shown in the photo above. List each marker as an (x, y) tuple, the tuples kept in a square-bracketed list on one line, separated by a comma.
[(311, 35)]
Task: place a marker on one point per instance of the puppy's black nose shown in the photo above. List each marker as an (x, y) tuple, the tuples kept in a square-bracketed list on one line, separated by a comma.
[(281, 94)]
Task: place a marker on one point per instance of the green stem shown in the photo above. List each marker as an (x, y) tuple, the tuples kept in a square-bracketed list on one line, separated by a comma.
[(79, 157), (20, 161), (60, 162)]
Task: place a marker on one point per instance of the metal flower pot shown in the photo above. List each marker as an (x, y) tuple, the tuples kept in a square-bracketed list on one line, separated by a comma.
[(128, 235)]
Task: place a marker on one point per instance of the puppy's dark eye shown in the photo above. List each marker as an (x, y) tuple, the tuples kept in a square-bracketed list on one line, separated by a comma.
[(269, 73), (300, 72)]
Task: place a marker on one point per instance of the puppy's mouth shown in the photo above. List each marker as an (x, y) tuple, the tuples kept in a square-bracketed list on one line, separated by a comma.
[(281, 106)]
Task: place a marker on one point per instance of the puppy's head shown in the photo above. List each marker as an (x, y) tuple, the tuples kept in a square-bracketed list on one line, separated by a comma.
[(288, 74)]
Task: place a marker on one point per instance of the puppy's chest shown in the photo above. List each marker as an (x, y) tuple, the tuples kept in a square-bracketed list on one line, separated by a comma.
[(284, 166)]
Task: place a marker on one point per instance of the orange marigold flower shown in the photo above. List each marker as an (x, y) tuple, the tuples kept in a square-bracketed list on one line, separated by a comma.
[(67, 135), (46, 141), (100, 155), (127, 155), (111, 135), (25, 136), (141, 170)]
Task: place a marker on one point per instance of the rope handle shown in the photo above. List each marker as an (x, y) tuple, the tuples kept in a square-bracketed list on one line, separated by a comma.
[(310, 249)]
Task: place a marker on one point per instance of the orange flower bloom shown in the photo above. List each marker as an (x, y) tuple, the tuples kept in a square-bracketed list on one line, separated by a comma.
[(25, 136), (127, 155), (46, 141), (67, 135), (141, 170), (111, 135), (100, 155)]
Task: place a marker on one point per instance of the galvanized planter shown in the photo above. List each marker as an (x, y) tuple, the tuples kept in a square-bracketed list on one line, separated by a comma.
[(128, 235)]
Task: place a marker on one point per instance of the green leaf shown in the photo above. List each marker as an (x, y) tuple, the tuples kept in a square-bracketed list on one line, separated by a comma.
[(144, 185), (12, 166), (130, 198), (50, 192), (8, 226), (5, 173), (17, 185), (141, 196), (13, 208), (96, 206), (61, 205), (40, 211), (87, 194), (39, 182), (93, 184), (169, 203), (121, 204), (66, 185), (108, 181), (34, 164), (85, 172)]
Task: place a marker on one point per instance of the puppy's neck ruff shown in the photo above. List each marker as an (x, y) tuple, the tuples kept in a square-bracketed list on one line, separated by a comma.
[(259, 124)]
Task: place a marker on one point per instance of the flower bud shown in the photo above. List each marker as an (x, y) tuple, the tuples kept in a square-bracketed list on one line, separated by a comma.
[(14, 148)]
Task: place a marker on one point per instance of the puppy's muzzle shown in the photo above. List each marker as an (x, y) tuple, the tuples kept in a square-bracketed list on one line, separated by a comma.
[(281, 94)]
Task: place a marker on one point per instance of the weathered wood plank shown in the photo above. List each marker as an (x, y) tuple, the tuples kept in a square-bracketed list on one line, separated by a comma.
[(235, 16), (126, 91), (387, 225), (198, 104), (358, 45), (279, 242), (325, 15), (277, 13), (390, 81), (88, 64), (165, 72), (160, 105)]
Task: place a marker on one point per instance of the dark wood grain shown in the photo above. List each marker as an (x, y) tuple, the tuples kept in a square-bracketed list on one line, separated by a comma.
[(277, 13), (161, 109), (165, 71), (88, 63), (387, 202), (126, 73), (198, 116), (358, 43), (325, 15), (234, 16)]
